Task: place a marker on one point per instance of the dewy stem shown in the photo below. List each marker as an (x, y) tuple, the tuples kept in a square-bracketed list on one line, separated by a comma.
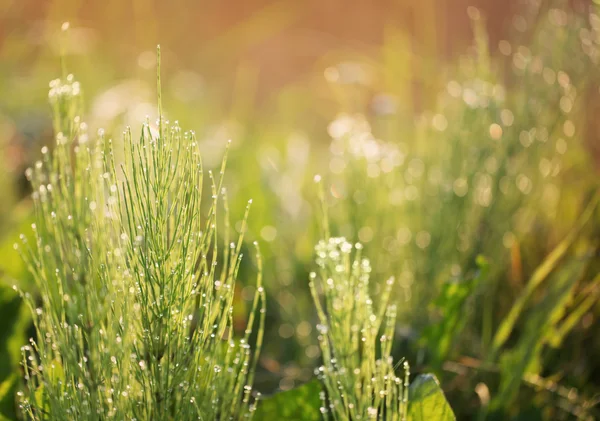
[(137, 295)]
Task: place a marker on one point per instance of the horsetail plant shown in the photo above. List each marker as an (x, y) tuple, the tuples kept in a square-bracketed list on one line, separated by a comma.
[(358, 371), (134, 319), (355, 338)]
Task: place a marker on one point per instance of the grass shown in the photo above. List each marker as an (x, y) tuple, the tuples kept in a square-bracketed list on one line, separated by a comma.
[(483, 209), (135, 318), (358, 371)]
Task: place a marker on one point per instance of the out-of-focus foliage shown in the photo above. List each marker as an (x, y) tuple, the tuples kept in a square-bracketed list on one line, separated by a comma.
[(451, 307), (299, 404), (428, 161)]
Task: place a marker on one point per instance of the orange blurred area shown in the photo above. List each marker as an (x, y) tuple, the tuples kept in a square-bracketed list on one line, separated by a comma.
[(281, 41), (240, 60)]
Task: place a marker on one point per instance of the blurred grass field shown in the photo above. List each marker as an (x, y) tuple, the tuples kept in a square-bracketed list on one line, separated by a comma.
[(459, 143)]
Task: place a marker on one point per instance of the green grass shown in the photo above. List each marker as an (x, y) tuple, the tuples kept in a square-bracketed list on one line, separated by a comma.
[(135, 318), (356, 336), (483, 208)]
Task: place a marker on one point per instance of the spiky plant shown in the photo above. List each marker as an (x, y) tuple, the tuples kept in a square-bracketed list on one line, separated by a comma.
[(355, 337), (134, 316)]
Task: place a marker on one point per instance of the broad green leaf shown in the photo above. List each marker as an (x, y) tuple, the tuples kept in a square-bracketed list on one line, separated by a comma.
[(300, 404), (426, 400)]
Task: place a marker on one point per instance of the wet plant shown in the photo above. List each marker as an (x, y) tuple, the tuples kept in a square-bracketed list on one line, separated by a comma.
[(134, 317), (469, 202), (355, 337), (489, 171)]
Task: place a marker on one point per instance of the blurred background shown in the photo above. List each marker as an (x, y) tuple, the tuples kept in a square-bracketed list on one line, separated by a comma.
[(444, 130)]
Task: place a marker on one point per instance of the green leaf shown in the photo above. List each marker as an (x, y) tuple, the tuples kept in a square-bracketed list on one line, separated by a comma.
[(300, 404), (426, 400)]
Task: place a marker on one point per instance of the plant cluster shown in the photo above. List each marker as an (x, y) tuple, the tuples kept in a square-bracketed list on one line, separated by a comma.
[(134, 319), (358, 370), (483, 209)]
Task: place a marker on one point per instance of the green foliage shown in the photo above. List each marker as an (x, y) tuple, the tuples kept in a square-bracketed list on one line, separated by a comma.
[(426, 403), (358, 370), (358, 373), (451, 305), (540, 274), (299, 404), (549, 317), (525, 356), (13, 270), (427, 400), (136, 271), (135, 314)]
